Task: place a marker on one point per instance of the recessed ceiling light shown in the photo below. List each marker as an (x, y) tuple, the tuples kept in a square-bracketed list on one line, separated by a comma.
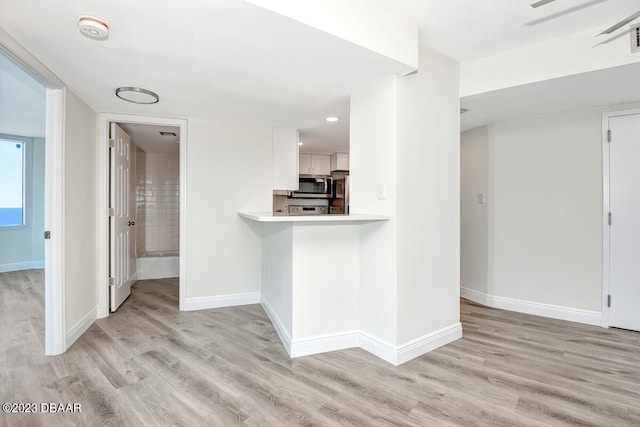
[(93, 27), (300, 143), (137, 95), (332, 119)]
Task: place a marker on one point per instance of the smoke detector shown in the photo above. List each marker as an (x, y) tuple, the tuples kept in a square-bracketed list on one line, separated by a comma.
[(93, 27), (635, 38)]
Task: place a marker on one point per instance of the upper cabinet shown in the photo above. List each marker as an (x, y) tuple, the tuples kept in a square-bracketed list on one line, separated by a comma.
[(314, 164), (340, 162), (285, 159), (304, 164)]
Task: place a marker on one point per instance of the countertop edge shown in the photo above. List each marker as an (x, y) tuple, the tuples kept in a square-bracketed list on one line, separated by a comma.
[(268, 217)]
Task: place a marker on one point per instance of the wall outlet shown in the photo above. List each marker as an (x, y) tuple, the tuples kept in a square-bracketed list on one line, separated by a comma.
[(382, 191), (481, 198)]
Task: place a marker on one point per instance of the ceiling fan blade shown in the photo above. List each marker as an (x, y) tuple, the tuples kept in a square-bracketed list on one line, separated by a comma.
[(625, 21), (540, 3)]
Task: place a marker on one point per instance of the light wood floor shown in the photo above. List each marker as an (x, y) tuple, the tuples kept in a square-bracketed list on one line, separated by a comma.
[(150, 364)]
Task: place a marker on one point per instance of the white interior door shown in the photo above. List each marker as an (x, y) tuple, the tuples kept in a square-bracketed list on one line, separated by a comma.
[(624, 205), (122, 241)]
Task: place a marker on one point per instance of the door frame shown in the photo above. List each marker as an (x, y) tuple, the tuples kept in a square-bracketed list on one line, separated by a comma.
[(606, 232), (102, 167), (54, 284)]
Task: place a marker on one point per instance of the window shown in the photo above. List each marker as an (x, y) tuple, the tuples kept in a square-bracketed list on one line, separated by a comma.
[(12, 160)]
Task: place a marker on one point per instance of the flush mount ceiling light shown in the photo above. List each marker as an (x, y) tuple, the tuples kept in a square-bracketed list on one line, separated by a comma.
[(332, 119), (93, 27), (137, 95)]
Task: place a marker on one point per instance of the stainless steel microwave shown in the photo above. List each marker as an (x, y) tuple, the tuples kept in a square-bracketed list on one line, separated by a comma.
[(314, 187)]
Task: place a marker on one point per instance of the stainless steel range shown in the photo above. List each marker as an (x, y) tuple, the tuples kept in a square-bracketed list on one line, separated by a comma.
[(308, 210)]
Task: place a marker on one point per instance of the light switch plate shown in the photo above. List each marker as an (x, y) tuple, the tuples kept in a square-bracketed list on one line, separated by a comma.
[(382, 191), (481, 198)]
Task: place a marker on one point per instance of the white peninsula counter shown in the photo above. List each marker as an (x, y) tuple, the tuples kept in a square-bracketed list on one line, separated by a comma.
[(268, 217), (311, 277)]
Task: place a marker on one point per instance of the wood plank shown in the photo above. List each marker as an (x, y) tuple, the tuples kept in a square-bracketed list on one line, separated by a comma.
[(150, 364)]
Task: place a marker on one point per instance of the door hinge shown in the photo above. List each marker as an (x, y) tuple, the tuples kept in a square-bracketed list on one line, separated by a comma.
[(111, 212), (112, 281), (112, 143), (609, 135), (609, 300), (47, 235), (609, 218)]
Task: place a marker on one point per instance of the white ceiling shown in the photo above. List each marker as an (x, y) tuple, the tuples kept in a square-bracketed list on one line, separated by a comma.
[(148, 137), (612, 86), (22, 101), (471, 29), (467, 30), (328, 137), (231, 61), (225, 60)]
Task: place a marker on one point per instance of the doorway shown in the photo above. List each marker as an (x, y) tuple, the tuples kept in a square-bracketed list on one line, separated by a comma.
[(143, 217), (144, 197), (54, 315), (621, 154)]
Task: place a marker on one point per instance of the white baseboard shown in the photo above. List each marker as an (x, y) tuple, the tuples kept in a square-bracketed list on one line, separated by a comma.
[(219, 301), (397, 355), (379, 348), (324, 343), (80, 327), (309, 345), (428, 342), (529, 307), (17, 266), (283, 334)]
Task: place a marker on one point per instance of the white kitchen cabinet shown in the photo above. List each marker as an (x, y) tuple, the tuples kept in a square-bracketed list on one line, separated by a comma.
[(321, 164), (285, 159), (304, 164), (340, 162), (314, 164)]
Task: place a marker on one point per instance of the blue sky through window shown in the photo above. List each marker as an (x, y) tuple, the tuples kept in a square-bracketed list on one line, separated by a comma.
[(11, 182)]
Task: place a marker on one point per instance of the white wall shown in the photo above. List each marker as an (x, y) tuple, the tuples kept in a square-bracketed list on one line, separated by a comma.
[(372, 159), (474, 217), (277, 274), (544, 206), (37, 230), (325, 300), (228, 171), (405, 135), (80, 234), (428, 197), (547, 210), (559, 57)]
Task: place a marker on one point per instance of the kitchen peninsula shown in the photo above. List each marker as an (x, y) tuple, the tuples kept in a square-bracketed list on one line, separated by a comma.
[(311, 278)]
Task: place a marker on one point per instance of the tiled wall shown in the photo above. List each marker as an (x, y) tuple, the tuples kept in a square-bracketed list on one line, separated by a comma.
[(141, 175), (158, 202)]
